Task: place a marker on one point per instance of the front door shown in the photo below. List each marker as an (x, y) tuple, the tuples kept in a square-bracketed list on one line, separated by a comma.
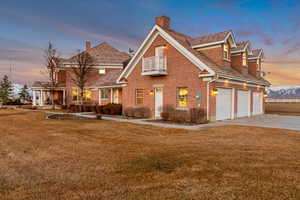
[(158, 102)]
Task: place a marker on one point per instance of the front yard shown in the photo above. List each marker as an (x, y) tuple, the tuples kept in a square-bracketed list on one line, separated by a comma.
[(90, 159)]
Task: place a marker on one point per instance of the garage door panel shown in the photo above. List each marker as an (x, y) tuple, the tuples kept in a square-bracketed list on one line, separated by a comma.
[(242, 103), (223, 104)]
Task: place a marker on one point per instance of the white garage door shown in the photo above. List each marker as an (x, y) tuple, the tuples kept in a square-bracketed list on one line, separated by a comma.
[(242, 103), (224, 104), (257, 103)]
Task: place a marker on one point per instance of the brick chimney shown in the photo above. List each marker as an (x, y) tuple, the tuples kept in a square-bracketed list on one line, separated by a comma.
[(87, 45), (163, 21)]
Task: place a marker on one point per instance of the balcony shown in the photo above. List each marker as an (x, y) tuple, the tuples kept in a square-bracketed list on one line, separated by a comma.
[(154, 66)]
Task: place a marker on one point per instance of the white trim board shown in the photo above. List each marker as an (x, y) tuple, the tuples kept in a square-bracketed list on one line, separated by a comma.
[(156, 30)]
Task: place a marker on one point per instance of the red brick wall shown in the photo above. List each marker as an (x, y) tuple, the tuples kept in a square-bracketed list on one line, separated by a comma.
[(181, 73), (252, 69), (216, 54)]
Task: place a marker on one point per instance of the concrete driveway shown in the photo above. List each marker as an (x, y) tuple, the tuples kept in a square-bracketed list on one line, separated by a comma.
[(267, 120)]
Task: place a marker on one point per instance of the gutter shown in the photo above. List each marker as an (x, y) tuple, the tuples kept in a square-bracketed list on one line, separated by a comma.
[(208, 95)]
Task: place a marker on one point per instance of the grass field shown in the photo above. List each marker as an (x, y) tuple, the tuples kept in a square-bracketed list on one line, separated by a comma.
[(285, 108), (89, 159)]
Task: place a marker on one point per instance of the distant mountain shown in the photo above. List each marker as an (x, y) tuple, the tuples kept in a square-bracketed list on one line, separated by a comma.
[(284, 92)]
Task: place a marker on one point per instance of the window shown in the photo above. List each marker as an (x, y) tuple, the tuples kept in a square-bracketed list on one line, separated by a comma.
[(159, 51), (75, 94), (226, 51), (87, 95), (104, 93), (182, 97), (244, 55), (139, 96), (102, 71)]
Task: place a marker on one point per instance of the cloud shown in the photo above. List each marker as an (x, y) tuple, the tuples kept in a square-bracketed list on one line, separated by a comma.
[(264, 37), (292, 49)]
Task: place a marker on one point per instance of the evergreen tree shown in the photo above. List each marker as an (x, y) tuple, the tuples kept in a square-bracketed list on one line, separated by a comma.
[(6, 89), (24, 94)]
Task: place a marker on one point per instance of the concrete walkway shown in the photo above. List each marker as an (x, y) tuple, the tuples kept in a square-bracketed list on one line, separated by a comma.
[(267, 120)]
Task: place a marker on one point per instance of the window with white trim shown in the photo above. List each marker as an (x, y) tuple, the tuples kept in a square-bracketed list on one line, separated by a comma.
[(182, 97), (244, 57), (226, 51), (104, 93), (139, 97), (101, 71)]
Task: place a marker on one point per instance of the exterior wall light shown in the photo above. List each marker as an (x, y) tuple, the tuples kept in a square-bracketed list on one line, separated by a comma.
[(214, 92), (151, 93)]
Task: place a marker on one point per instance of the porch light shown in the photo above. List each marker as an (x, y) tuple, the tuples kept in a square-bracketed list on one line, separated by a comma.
[(265, 95), (214, 92), (226, 81), (151, 93), (245, 84)]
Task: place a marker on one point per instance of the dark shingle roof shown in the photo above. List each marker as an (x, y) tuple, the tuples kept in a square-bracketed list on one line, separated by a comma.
[(105, 54), (240, 46), (210, 38), (43, 84), (255, 53), (185, 42), (108, 79)]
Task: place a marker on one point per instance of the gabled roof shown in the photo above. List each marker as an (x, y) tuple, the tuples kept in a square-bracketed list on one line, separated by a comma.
[(104, 54), (182, 43), (242, 47), (212, 39), (43, 84), (256, 53)]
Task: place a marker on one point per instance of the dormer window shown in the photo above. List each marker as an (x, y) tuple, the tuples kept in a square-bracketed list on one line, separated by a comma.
[(101, 71), (226, 51), (244, 55)]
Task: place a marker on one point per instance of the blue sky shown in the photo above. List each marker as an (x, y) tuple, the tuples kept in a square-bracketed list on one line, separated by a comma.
[(27, 26)]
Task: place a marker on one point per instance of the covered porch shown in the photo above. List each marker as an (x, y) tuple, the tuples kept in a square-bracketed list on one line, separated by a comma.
[(42, 96)]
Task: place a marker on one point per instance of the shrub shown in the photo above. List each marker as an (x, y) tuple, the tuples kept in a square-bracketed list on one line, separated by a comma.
[(165, 114), (129, 112), (180, 116), (111, 109), (141, 112), (99, 116), (198, 115)]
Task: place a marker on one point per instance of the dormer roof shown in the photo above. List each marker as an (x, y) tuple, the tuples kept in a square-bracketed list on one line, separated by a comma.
[(213, 39), (256, 54), (242, 47)]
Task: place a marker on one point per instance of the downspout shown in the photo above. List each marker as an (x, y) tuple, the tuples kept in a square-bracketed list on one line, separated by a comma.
[(208, 96)]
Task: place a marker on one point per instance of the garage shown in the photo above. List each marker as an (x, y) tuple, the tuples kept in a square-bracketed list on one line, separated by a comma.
[(224, 104), (243, 103), (257, 103)]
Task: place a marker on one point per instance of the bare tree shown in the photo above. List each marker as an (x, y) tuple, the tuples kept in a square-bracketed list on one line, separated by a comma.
[(51, 69), (80, 71)]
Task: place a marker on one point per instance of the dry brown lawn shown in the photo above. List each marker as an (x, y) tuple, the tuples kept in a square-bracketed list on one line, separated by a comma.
[(89, 159)]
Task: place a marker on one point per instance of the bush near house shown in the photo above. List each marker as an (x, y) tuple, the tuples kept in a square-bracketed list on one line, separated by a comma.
[(137, 112), (108, 109), (193, 115)]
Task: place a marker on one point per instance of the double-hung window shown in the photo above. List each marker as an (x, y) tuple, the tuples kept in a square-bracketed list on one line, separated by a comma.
[(139, 97), (182, 97)]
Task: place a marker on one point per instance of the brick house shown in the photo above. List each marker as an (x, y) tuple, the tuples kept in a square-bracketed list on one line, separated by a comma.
[(101, 87), (213, 72)]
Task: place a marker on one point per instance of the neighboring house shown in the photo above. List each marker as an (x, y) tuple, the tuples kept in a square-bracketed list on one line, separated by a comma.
[(101, 87), (213, 72)]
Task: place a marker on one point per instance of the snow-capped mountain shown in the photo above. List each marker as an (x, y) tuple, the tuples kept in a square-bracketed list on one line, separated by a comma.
[(284, 92)]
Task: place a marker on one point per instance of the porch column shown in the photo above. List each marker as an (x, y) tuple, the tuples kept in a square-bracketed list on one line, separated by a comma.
[(64, 97), (117, 94), (99, 90), (34, 98), (41, 98), (111, 95)]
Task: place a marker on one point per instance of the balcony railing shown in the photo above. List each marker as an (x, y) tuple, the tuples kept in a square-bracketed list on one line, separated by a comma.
[(154, 66)]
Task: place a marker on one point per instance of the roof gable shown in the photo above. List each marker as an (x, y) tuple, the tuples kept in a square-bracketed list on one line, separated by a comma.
[(256, 54), (176, 43), (242, 47)]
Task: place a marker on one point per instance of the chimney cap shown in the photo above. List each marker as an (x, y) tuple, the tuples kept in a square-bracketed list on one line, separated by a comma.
[(163, 21), (87, 45)]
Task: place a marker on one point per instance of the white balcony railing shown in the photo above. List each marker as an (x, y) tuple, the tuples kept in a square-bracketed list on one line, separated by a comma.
[(154, 66)]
